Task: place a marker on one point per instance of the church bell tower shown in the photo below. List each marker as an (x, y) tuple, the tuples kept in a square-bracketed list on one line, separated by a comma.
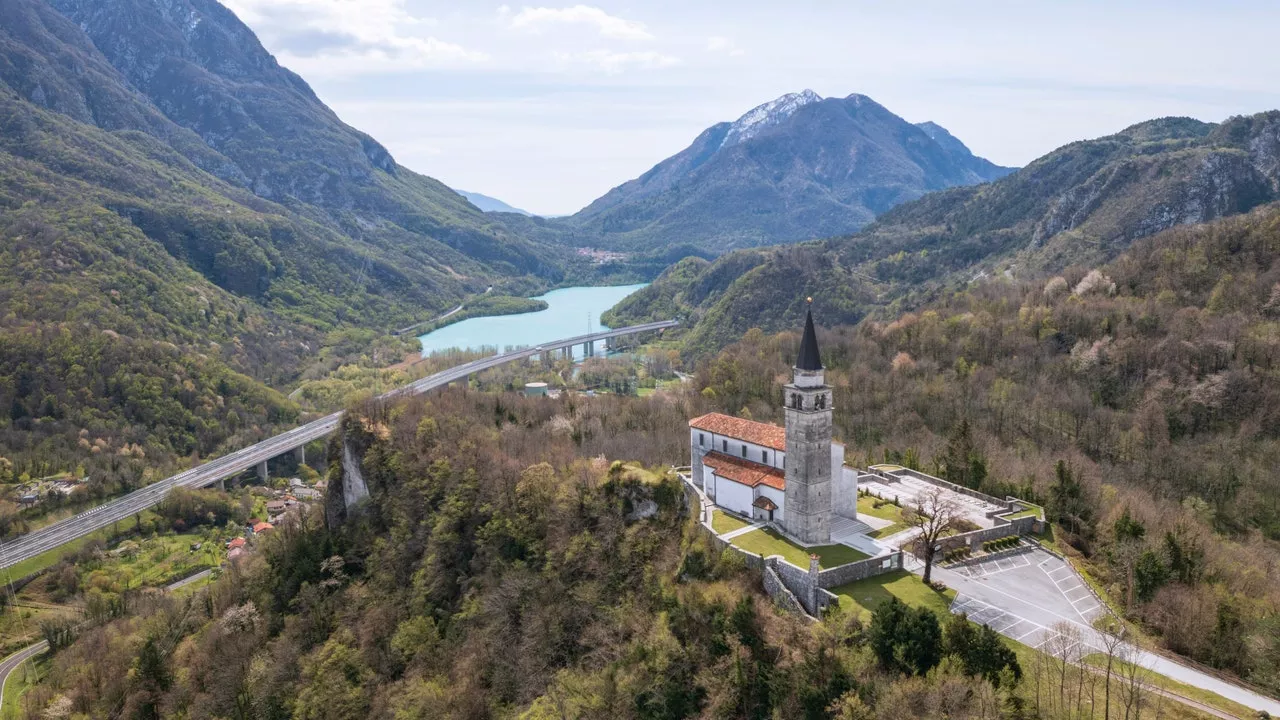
[(807, 514)]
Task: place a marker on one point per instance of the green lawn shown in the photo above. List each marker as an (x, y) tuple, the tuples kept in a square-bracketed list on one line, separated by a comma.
[(1033, 511), (157, 561), (864, 595), (887, 511), (766, 542), (722, 522)]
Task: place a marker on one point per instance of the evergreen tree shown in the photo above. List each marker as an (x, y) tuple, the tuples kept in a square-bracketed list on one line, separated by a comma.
[(1068, 505), (961, 463), (905, 640)]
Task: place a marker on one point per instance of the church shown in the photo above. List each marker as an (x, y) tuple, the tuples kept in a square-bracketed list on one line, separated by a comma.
[(791, 476)]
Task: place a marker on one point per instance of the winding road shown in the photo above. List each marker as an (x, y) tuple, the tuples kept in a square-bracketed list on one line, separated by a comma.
[(51, 536)]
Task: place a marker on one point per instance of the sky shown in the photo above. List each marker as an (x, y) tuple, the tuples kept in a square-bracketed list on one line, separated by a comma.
[(547, 107)]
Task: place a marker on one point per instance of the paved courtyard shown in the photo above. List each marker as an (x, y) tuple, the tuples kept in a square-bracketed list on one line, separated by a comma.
[(909, 489)]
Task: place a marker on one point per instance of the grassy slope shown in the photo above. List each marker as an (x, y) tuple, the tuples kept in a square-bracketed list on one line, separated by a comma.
[(768, 542)]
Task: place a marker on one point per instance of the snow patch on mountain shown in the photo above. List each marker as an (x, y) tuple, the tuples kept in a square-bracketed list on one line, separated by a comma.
[(763, 117)]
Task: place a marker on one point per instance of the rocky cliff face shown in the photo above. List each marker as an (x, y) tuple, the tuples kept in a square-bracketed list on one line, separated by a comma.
[(796, 168), (207, 72)]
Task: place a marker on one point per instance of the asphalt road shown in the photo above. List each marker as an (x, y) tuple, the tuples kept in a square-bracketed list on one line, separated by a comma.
[(14, 661), (232, 464)]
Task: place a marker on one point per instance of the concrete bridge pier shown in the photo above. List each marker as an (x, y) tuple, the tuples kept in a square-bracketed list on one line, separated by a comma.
[(589, 349), (300, 452), (262, 471), (222, 484)]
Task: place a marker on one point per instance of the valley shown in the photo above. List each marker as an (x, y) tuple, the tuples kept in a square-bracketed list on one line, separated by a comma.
[(822, 416)]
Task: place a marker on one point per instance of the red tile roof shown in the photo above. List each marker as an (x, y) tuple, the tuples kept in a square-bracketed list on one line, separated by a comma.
[(757, 433), (765, 503), (238, 542), (745, 472), (263, 527)]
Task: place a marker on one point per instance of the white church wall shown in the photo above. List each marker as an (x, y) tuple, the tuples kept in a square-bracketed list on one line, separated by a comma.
[(734, 496), (708, 483), (844, 493), (702, 442), (778, 497), (698, 446)]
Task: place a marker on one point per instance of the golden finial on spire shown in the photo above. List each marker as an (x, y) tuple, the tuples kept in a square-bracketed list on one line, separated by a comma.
[(809, 300)]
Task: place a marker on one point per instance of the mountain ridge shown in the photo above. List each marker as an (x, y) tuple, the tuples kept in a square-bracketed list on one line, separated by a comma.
[(1081, 204), (795, 168)]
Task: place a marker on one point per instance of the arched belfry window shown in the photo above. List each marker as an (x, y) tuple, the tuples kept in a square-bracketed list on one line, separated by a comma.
[(822, 402), (795, 401)]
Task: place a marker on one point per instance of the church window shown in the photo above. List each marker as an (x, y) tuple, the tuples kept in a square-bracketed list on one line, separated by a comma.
[(795, 401), (822, 402), (744, 450), (764, 456), (702, 440), (724, 446)]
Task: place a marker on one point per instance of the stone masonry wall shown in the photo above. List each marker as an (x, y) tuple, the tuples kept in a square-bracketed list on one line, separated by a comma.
[(1003, 528), (837, 576), (794, 588), (780, 594)]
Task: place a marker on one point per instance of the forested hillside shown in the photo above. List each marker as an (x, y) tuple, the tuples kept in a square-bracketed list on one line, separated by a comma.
[(1083, 203), (179, 214), (1139, 400), (507, 567)]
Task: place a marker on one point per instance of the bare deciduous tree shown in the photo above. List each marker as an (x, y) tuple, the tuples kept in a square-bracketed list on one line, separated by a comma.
[(934, 516), (1112, 644)]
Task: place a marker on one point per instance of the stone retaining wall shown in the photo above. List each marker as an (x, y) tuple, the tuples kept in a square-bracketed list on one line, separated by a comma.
[(778, 591), (1003, 528), (794, 588), (854, 571)]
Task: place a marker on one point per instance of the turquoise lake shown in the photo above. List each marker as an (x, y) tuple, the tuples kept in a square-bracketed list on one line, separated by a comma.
[(570, 312)]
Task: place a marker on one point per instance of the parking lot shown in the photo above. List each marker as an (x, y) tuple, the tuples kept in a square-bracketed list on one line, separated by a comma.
[(1024, 596)]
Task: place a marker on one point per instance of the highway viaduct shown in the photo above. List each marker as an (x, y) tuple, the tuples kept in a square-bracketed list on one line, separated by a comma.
[(219, 469)]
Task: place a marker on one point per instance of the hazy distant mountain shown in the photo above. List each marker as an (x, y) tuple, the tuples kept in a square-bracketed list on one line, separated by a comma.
[(490, 204), (795, 168)]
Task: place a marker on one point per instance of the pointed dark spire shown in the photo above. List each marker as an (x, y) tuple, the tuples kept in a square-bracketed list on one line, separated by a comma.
[(809, 358)]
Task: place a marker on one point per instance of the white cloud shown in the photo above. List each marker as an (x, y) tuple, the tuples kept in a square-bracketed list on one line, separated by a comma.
[(535, 19), (615, 62), (354, 35), (721, 44)]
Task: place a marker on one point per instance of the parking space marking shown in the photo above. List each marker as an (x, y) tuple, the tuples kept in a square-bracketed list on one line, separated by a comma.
[(1072, 587)]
